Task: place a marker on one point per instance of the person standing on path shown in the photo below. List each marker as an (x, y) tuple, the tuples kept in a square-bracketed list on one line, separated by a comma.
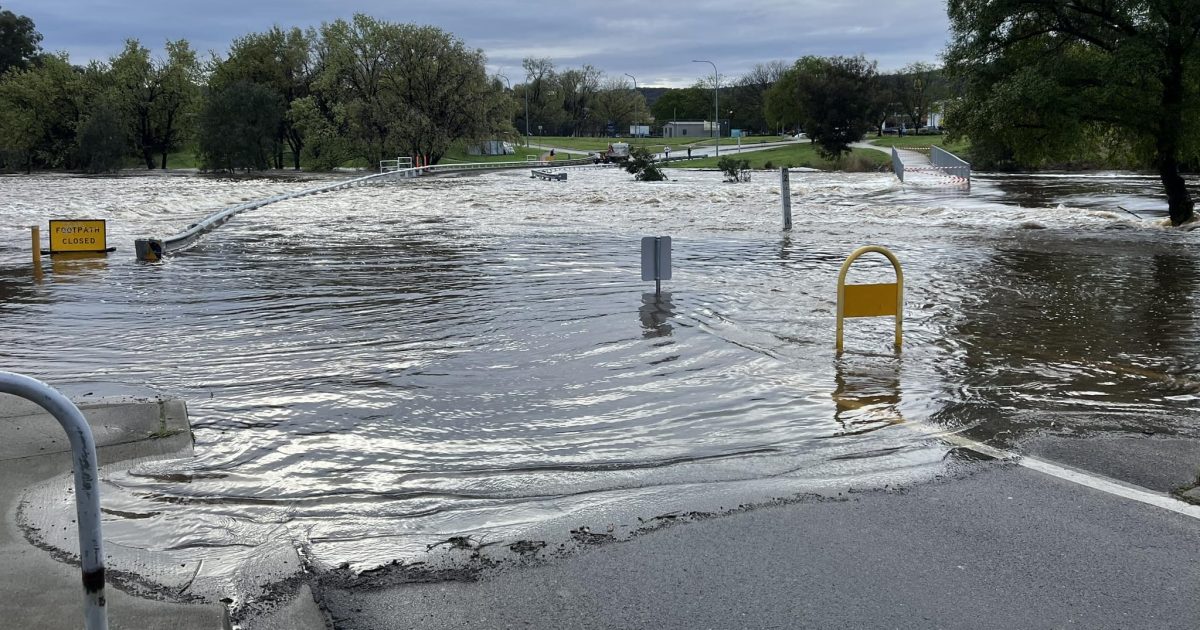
[(667, 152)]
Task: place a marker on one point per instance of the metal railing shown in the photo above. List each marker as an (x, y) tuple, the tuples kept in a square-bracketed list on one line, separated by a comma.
[(897, 165), (87, 488), (950, 164), (400, 163), (153, 249)]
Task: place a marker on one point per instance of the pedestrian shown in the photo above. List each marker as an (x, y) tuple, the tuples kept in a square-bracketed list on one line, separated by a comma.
[(667, 151), (689, 153)]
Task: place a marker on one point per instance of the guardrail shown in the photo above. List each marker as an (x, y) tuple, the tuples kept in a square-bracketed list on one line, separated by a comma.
[(87, 488), (153, 249), (950, 164), (897, 165)]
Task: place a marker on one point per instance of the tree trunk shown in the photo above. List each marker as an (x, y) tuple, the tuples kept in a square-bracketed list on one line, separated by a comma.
[(148, 156), (164, 160), (1179, 202), (1170, 128)]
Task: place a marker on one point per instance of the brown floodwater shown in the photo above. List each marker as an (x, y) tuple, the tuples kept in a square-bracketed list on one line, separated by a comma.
[(371, 371)]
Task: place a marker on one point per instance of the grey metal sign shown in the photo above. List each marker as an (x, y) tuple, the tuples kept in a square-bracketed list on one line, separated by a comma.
[(656, 258)]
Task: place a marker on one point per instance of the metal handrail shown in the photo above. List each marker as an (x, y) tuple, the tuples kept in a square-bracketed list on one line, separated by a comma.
[(951, 164), (897, 165), (87, 488)]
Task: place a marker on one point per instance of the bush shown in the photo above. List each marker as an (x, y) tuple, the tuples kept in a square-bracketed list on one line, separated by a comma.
[(734, 169), (770, 166), (641, 164)]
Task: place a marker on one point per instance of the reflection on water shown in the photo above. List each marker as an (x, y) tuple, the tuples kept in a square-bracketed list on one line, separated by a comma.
[(375, 370), (655, 314), (867, 393)]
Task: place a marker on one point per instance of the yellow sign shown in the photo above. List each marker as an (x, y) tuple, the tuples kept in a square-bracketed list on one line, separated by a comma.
[(870, 300), (78, 236)]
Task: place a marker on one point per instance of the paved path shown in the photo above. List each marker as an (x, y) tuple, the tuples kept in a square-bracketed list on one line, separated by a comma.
[(997, 547)]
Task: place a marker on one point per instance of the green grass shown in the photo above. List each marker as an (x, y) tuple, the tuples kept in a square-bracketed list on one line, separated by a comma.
[(797, 155), (908, 142)]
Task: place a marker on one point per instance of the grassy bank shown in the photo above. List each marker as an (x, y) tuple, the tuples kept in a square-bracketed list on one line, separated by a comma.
[(798, 155)]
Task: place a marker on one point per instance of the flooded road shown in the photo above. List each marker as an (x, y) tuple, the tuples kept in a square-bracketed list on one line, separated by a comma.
[(372, 371)]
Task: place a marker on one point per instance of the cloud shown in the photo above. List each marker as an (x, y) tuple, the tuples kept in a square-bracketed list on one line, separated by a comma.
[(653, 41)]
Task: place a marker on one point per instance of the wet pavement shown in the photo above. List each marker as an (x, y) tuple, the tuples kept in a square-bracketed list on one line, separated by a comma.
[(993, 547)]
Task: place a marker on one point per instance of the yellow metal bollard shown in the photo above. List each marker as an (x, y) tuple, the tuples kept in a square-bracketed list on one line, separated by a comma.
[(36, 233), (870, 300)]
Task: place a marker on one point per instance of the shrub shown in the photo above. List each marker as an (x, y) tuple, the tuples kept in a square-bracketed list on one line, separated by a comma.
[(734, 169), (641, 164)]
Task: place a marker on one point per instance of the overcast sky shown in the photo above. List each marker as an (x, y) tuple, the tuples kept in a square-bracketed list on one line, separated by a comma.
[(654, 41)]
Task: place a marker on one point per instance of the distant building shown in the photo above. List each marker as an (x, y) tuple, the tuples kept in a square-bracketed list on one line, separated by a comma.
[(688, 129)]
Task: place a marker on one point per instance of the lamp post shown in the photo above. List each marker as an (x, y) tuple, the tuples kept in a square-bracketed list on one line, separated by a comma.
[(716, 109), (638, 123)]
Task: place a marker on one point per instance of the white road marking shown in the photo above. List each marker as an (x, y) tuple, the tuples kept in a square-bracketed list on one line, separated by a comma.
[(1090, 480)]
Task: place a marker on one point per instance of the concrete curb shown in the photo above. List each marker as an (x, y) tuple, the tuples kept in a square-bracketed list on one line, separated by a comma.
[(41, 587)]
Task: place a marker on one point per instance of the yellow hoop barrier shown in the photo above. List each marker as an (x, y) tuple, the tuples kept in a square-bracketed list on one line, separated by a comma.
[(870, 300)]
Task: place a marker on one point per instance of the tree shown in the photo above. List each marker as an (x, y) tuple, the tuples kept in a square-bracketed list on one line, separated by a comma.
[(1043, 78), (407, 90), (19, 41), (836, 100), (156, 95), (238, 127), (617, 101), (782, 102), (748, 96), (103, 138), (280, 60), (918, 87), (40, 111), (691, 103)]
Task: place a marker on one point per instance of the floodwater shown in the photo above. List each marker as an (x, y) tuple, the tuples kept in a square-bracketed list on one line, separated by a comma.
[(371, 371)]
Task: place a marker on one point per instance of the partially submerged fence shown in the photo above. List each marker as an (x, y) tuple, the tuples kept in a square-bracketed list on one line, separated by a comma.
[(897, 165), (950, 164), (153, 249)]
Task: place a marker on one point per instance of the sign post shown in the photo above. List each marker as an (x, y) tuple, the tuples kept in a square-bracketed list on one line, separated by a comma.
[(656, 260), (785, 194)]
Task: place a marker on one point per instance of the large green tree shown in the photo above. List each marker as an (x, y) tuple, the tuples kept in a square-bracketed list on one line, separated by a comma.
[(157, 96), (278, 60), (619, 102), (239, 126), (1043, 78), (40, 109), (407, 89), (833, 97), (19, 41)]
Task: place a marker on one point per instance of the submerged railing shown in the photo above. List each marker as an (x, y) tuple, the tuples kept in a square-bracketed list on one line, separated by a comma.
[(950, 164), (153, 249), (897, 165)]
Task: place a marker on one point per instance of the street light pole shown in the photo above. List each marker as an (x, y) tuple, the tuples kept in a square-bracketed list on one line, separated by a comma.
[(638, 123), (716, 109)]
